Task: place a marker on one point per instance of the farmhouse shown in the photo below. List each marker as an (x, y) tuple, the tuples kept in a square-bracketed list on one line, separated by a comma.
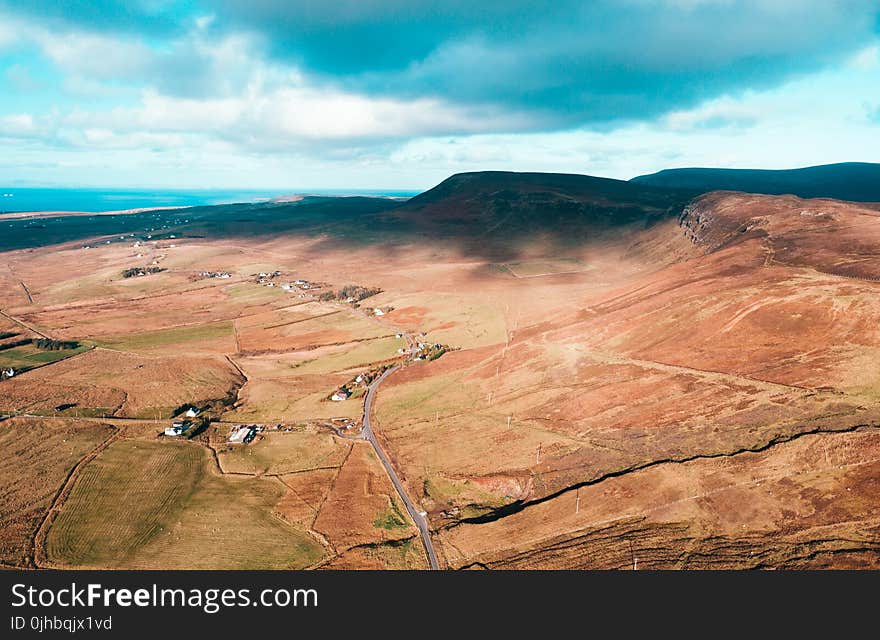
[(7, 373), (341, 394), (178, 427), (192, 412)]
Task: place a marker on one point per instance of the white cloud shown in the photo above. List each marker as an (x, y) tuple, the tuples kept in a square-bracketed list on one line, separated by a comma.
[(248, 121), (721, 113), (95, 55), (17, 125), (867, 58), (9, 33), (281, 117)]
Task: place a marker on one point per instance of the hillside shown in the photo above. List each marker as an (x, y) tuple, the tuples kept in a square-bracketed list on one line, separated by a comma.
[(628, 376), (542, 200), (854, 181), (497, 213)]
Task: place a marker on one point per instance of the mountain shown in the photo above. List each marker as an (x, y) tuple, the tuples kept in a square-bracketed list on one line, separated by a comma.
[(543, 198), (496, 212), (854, 181)]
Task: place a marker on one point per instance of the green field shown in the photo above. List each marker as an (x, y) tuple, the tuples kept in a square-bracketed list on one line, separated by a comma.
[(29, 356), (166, 337), (360, 355), (252, 292), (158, 505), (391, 518)]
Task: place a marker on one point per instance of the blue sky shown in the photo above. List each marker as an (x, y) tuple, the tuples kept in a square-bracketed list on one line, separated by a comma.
[(288, 94)]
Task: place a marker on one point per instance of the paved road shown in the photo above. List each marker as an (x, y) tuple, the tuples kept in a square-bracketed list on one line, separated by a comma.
[(415, 514)]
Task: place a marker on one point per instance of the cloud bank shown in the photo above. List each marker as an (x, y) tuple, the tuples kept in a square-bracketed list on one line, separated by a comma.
[(367, 79)]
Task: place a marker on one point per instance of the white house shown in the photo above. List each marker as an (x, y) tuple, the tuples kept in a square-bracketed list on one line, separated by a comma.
[(340, 395), (378, 312), (192, 412)]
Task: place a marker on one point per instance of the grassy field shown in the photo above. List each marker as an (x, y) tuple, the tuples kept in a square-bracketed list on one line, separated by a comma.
[(251, 292), (361, 507), (29, 356), (399, 555), (286, 452), (150, 504), (37, 456), (137, 385), (361, 354), (169, 337), (544, 267)]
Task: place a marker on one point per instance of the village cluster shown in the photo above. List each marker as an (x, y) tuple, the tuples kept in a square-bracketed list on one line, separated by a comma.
[(358, 383), (268, 279)]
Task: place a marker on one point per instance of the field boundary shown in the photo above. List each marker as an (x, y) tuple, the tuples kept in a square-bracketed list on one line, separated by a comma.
[(38, 556)]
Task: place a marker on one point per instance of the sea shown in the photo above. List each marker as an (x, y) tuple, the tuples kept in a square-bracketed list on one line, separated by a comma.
[(14, 199)]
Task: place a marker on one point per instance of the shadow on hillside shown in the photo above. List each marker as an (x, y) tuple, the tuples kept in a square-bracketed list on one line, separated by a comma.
[(491, 216)]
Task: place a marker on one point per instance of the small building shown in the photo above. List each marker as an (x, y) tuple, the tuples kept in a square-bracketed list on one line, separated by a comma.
[(341, 394), (192, 412), (242, 434), (178, 427), (8, 373), (378, 312)]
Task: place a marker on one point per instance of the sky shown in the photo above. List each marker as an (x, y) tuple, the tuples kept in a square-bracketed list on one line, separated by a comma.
[(400, 94)]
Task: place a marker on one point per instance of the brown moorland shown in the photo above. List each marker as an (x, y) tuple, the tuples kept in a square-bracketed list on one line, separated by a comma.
[(637, 379)]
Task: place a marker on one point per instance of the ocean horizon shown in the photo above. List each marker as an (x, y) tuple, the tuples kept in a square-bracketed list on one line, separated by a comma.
[(92, 200)]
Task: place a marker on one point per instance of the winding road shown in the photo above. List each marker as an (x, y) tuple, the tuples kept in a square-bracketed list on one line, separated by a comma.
[(415, 514)]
